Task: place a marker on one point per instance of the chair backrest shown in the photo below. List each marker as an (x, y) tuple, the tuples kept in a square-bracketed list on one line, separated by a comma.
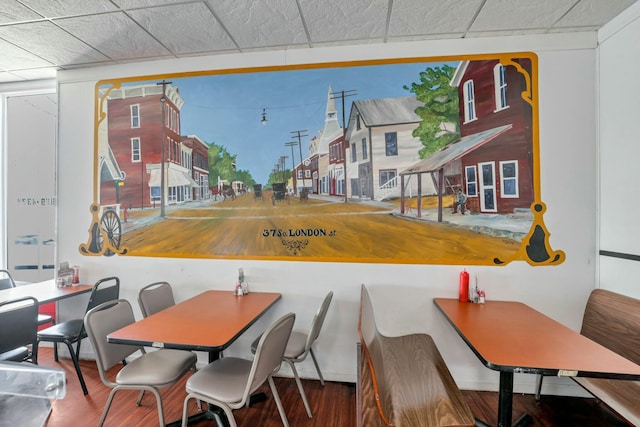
[(19, 324), (6, 281), (99, 322), (370, 339), (613, 320), (269, 353), (107, 289), (367, 328), (155, 297), (318, 321)]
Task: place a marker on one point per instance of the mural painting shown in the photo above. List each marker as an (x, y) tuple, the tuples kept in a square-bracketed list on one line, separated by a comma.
[(422, 161)]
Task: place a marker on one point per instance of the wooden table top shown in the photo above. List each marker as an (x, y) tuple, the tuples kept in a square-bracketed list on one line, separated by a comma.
[(210, 321), (44, 292), (511, 336)]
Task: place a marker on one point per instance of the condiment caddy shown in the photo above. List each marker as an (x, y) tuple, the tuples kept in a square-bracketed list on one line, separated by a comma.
[(467, 293)]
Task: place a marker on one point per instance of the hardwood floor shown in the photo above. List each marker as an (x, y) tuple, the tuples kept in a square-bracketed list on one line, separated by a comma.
[(333, 405)]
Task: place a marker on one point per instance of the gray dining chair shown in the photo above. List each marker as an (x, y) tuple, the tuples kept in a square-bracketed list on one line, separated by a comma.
[(229, 382), (300, 345), (148, 372), (73, 331), (7, 282), (155, 297), (19, 330)]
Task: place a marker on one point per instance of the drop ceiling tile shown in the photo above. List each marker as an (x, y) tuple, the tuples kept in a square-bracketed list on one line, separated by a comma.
[(416, 17), (257, 24), (14, 58), (50, 42), (503, 33), (412, 38), (523, 14), (593, 28), (115, 35), (339, 20), (593, 13), (58, 8), (130, 4), (12, 11), (184, 29)]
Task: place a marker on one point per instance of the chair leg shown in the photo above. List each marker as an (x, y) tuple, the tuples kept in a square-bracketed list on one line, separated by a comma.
[(55, 344), (198, 402), (315, 362), (76, 364), (300, 388), (107, 406), (140, 398), (231, 420), (159, 403), (538, 386), (276, 397), (185, 410)]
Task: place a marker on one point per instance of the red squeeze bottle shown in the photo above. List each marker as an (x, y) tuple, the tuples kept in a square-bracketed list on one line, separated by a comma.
[(463, 292)]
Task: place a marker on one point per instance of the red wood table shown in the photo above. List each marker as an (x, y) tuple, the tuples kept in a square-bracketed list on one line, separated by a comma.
[(511, 337), (209, 322)]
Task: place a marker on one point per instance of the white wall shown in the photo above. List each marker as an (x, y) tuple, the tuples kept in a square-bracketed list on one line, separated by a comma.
[(402, 294), (619, 148)]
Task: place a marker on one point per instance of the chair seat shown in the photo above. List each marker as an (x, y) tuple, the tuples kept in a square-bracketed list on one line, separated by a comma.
[(16, 355), (43, 319), (225, 378), (68, 330), (156, 368)]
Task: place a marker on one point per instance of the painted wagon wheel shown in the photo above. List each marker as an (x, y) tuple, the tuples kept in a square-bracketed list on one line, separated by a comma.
[(110, 223)]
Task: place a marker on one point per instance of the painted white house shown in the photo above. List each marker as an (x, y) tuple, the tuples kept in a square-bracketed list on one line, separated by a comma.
[(380, 145)]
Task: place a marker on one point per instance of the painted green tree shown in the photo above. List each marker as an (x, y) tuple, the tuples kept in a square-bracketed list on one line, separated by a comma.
[(440, 120), (222, 165), (278, 177)]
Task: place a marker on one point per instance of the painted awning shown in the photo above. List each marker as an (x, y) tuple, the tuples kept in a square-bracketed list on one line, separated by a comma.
[(455, 150), (174, 178)]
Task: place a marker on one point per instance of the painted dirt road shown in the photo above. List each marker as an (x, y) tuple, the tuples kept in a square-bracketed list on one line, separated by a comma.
[(316, 230)]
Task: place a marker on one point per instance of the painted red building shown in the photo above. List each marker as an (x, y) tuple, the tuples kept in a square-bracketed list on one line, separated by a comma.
[(199, 165), (497, 171), (139, 120), (492, 160), (336, 167)]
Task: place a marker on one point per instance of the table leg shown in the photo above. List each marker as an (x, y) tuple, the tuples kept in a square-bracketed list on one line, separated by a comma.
[(505, 403)]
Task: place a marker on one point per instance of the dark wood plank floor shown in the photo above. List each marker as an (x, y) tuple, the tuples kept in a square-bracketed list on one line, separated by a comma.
[(333, 405)]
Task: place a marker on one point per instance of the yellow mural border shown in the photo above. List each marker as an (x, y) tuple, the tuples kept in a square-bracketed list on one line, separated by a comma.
[(535, 248)]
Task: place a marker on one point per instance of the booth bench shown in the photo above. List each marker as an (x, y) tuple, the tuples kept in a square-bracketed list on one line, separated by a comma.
[(403, 381), (613, 321)]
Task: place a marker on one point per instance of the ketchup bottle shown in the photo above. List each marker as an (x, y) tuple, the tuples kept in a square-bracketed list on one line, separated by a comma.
[(463, 291)]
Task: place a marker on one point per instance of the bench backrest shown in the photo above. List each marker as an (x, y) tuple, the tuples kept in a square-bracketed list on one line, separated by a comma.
[(370, 340), (613, 320)]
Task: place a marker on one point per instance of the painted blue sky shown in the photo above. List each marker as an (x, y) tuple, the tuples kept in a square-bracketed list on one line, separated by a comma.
[(227, 108)]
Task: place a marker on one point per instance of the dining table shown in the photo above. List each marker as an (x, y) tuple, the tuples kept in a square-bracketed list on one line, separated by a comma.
[(512, 337), (45, 292), (210, 321)]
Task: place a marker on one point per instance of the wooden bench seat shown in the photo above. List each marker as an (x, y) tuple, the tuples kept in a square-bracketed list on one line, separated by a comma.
[(403, 381), (613, 320)]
